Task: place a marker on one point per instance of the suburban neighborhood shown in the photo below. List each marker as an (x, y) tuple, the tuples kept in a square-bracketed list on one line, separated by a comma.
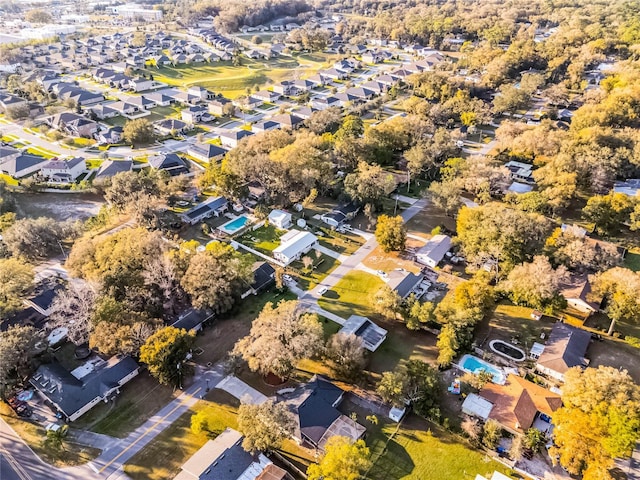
[(319, 240)]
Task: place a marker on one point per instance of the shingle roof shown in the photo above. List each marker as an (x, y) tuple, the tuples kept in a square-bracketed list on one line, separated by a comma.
[(565, 348), (109, 168)]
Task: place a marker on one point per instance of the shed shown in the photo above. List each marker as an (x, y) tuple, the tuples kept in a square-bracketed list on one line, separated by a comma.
[(476, 406)]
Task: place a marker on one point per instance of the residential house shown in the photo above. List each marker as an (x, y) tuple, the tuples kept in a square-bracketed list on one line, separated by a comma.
[(127, 110), (630, 187), (201, 93), (64, 171), (78, 95), (372, 57), (224, 459), (566, 347), (317, 416), (304, 112), (322, 103), (8, 101), (333, 74), (293, 245), (283, 88), (192, 320), (160, 99), (212, 207), (404, 283), (169, 126), (371, 334), (360, 92), (196, 114), (519, 405), (195, 58), (22, 165), (301, 86), (340, 215), (434, 251), (264, 126), (207, 152), (44, 295), (519, 188), (142, 102), (288, 121), (520, 172), (264, 277), (577, 291), (170, 163), (230, 139), (111, 136), (216, 106), (109, 168), (280, 219), (74, 393), (103, 111), (266, 96), (73, 124)]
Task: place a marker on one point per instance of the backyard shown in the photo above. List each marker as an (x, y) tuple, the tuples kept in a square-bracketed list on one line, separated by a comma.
[(265, 239), (308, 278), (352, 295)]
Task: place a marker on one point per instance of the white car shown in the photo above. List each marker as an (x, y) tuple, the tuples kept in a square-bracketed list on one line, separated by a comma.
[(382, 274), (323, 290)]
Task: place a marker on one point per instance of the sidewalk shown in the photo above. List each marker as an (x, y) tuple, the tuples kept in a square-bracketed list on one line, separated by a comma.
[(243, 392)]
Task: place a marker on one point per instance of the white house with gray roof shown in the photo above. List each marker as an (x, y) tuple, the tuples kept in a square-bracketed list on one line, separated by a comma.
[(293, 245)]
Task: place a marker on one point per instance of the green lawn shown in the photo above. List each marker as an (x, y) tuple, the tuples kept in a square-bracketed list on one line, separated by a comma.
[(162, 458), (33, 150), (265, 239), (632, 260), (352, 295), (138, 401), (346, 246), (420, 450), (307, 278), (94, 163), (232, 80)]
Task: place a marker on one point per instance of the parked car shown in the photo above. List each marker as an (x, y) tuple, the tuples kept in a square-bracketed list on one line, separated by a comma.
[(323, 290)]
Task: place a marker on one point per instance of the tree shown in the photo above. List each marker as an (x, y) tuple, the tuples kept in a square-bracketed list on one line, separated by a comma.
[(369, 184), (471, 427), (343, 460), (16, 281), (199, 422), (138, 132), (165, 354), (417, 383), (279, 338), (72, 308), (322, 121), (621, 287), (37, 238), (446, 195), (599, 420), (491, 434), (387, 302), (418, 313), (220, 291), (38, 16), (391, 233), (256, 39), (17, 349), (534, 439), (536, 284), (608, 212), (347, 355), (265, 426)]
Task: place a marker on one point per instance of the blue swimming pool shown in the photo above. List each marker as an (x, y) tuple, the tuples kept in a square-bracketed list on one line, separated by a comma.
[(472, 364), (234, 225)]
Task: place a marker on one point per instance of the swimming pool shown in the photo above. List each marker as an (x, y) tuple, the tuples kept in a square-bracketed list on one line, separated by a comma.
[(232, 226), (507, 350), (472, 364)]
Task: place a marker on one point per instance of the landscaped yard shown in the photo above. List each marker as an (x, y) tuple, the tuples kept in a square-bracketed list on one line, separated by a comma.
[(308, 278), (632, 259), (345, 246), (352, 295), (265, 239), (34, 436), (234, 80), (138, 401)]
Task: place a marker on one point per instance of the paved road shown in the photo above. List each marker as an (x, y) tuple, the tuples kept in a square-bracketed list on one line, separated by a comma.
[(9, 470)]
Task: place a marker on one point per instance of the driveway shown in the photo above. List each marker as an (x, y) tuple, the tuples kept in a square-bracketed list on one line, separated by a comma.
[(243, 392)]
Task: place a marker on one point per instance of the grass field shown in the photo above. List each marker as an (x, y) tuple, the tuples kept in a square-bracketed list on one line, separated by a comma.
[(34, 435), (352, 295), (233, 81), (308, 279), (9, 180), (264, 239), (632, 260), (420, 450), (139, 400)]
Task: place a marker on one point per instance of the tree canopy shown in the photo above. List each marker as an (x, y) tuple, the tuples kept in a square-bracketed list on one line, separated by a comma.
[(165, 353), (343, 460)]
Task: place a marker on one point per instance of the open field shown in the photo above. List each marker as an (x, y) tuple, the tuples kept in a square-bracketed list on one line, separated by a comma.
[(77, 206), (427, 219), (138, 401), (234, 80), (307, 278), (352, 295), (34, 435)]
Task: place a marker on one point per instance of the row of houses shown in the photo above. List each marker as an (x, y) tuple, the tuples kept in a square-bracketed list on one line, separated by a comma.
[(19, 164)]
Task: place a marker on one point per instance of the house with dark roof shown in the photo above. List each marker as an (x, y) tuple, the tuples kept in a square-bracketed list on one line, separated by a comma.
[(109, 168), (519, 405), (576, 290), (341, 214), (264, 126), (223, 458), (168, 126), (21, 165), (264, 277), (73, 124), (231, 139), (74, 393), (566, 348), (314, 405), (64, 171), (207, 152), (403, 282), (111, 135), (196, 114), (212, 207), (44, 295), (192, 319), (170, 163)]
